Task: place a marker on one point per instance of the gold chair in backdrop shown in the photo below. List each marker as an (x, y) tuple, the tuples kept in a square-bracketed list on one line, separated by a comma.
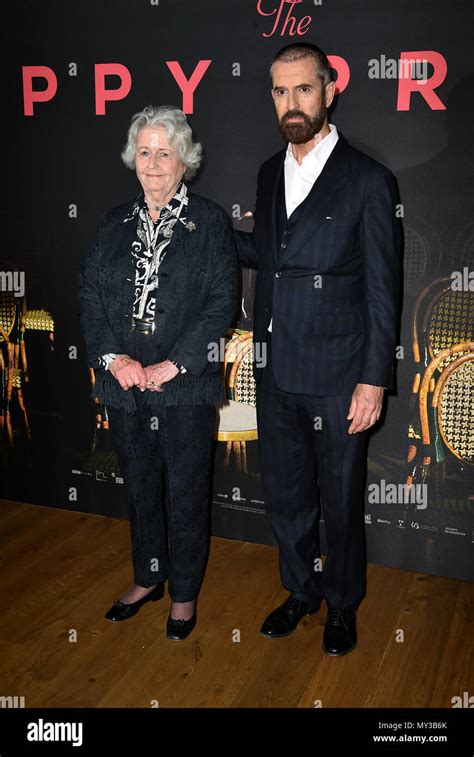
[(237, 418), (446, 412), (443, 318), (15, 320)]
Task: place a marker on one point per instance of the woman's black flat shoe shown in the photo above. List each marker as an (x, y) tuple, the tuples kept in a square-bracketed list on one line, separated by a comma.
[(177, 630), (122, 611)]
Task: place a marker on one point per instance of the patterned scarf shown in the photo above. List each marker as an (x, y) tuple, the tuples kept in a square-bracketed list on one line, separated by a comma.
[(149, 247)]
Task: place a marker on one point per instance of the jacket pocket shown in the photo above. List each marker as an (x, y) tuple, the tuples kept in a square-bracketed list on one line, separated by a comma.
[(337, 323)]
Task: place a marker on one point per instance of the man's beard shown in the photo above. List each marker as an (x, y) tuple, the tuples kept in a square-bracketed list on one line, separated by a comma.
[(300, 132)]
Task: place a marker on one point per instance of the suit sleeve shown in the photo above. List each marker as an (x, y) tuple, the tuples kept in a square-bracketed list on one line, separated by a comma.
[(195, 345), (246, 248), (381, 247), (98, 335), (245, 240)]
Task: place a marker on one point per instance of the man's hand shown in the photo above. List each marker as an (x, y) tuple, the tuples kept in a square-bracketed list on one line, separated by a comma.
[(160, 373), (366, 406), (128, 372)]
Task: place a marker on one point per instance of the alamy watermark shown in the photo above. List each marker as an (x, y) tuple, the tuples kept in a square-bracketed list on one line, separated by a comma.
[(46, 731), (216, 352), (398, 494), (13, 281), (404, 68)]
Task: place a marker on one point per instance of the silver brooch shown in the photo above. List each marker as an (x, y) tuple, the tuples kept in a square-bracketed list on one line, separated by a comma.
[(190, 226)]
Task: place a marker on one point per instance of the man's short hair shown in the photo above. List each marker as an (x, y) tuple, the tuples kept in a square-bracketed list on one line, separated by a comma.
[(300, 50)]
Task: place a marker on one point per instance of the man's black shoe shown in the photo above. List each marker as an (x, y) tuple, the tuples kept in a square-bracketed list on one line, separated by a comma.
[(283, 620), (340, 632)]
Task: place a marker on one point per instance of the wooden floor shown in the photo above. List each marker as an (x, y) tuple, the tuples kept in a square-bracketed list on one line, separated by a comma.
[(61, 571)]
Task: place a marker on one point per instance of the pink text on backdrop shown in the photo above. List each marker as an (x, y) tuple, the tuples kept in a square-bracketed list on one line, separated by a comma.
[(425, 87), (290, 23), (406, 85), (103, 95)]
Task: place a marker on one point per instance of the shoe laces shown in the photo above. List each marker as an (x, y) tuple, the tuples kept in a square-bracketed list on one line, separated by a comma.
[(336, 617), (292, 604)]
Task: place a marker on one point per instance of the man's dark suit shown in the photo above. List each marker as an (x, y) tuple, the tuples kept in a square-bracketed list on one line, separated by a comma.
[(329, 278)]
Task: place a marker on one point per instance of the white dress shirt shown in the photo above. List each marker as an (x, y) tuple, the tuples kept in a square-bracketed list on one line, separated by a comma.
[(299, 179)]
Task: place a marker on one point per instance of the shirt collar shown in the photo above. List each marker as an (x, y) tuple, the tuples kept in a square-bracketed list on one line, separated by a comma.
[(179, 198), (319, 151)]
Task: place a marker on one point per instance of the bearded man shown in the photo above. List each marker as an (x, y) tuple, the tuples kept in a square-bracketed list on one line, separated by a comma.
[(327, 248)]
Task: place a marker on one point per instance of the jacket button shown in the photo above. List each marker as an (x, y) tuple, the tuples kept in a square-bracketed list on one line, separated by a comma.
[(160, 310), (278, 274), (283, 245), (163, 275)]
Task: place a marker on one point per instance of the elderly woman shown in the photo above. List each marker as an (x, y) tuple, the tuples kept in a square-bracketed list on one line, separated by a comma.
[(156, 294)]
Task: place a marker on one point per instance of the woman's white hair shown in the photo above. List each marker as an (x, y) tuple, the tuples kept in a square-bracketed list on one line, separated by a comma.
[(179, 132)]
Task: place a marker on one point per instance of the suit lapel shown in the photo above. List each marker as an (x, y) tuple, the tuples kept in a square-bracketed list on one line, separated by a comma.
[(271, 210), (321, 200)]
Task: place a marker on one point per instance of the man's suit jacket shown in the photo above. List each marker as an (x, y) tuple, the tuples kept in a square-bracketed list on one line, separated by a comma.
[(196, 301), (333, 289)]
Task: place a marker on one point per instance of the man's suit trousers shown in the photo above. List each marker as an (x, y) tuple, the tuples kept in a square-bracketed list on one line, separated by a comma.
[(307, 460)]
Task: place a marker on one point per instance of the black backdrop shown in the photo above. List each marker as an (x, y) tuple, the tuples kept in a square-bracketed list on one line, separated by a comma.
[(65, 169)]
